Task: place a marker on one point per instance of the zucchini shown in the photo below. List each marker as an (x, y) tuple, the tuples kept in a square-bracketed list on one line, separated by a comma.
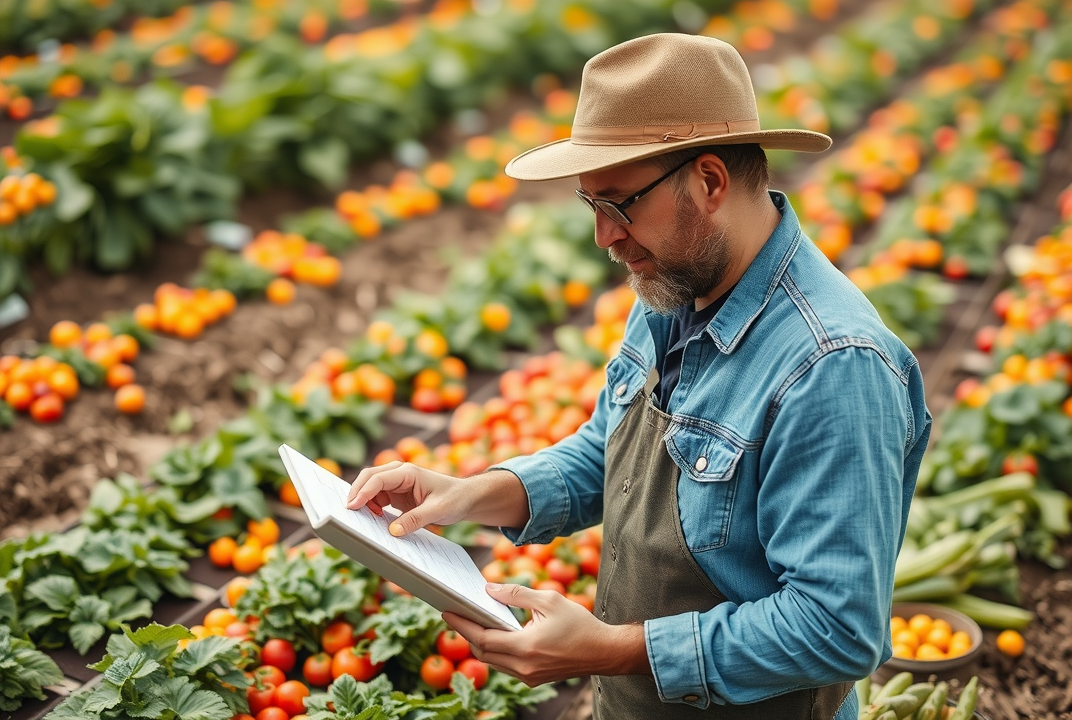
[(990, 613)]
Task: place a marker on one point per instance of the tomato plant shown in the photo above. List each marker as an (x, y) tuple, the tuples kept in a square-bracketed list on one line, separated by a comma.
[(436, 671), (290, 696), (317, 669), (452, 646), (475, 670), (279, 653)]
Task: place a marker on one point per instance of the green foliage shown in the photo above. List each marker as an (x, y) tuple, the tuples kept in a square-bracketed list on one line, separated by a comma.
[(145, 675), (296, 597), (24, 671), (913, 306)]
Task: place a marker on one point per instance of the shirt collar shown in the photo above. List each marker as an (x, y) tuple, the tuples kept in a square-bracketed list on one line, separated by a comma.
[(756, 287)]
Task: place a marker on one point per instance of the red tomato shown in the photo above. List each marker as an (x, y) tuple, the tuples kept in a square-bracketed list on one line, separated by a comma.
[(348, 661), (273, 713), (984, 338), (338, 635), (260, 696), (436, 671), (955, 268), (583, 599), (279, 653), (550, 584), (452, 646), (1017, 462), (270, 674), (562, 571), (290, 696), (538, 552), (317, 669), (589, 560), (504, 549), (475, 670)]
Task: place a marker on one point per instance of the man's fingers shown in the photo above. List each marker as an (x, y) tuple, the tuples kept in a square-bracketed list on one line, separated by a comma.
[(369, 483), (518, 595)]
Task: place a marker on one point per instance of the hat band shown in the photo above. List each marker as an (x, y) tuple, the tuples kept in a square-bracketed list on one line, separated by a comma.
[(589, 135)]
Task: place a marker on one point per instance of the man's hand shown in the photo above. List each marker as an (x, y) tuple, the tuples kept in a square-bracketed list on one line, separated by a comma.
[(426, 497), (563, 640)]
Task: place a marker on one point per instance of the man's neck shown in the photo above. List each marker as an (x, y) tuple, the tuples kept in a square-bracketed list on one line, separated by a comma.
[(753, 236)]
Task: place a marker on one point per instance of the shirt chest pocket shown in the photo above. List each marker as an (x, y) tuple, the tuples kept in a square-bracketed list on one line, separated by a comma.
[(707, 485)]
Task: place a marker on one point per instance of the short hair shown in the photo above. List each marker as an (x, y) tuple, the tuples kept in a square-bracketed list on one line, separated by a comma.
[(745, 162)]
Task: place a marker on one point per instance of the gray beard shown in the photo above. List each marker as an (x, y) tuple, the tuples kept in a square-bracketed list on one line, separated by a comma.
[(695, 267)]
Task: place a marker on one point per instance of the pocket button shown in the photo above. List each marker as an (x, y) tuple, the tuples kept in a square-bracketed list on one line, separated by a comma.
[(620, 390), (701, 464)]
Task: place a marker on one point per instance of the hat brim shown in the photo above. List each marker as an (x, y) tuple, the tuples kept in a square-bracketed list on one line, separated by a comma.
[(563, 158)]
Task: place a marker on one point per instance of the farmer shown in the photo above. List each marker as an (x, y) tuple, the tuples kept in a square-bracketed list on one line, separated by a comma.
[(754, 452)]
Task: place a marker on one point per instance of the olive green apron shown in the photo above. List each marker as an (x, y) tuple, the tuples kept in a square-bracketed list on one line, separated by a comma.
[(646, 571)]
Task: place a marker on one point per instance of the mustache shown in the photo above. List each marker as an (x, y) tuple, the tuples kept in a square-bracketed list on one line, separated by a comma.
[(627, 257)]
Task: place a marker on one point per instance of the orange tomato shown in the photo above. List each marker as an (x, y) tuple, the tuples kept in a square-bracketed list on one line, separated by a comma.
[(266, 530), (280, 291), (65, 333), (130, 399), (248, 558), (235, 589), (495, 317), (119, 375), (288, 494), (221, 551), (1010, 643)]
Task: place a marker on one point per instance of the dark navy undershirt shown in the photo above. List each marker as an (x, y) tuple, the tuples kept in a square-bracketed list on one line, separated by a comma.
[(686, 324)]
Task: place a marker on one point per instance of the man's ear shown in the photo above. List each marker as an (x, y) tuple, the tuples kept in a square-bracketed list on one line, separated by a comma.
[(716, 181)]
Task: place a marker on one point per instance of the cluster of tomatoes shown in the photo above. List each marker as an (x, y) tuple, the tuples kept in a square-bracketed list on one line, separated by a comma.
[(184, 312), (259, 541), (271, 695), (567, 565), (453, 654), (42, 386), (293, 259), (21, 194)]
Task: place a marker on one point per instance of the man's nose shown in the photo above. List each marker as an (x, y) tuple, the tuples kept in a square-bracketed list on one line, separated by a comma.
[(608, 232)]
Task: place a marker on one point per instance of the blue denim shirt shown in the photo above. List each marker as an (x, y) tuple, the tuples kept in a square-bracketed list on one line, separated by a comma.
[(798, 424)]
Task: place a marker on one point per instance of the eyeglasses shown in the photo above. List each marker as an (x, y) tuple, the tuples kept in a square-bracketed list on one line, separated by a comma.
[(616, 211)]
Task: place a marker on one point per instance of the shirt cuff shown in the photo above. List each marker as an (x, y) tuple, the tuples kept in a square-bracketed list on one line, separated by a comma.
[(676, 657), (548, 499)]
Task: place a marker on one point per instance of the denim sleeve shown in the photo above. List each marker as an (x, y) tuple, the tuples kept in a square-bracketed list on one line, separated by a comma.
[(564, 482), (835, 482)]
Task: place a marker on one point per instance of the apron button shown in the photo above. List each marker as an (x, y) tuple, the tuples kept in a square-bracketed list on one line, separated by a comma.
[(701, 464), (691, 698), (613, 553), (625, 487), (620, 390)]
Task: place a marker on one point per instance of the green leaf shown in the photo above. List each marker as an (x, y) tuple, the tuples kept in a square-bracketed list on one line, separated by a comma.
[(84, 634), (183, 698), (73, 197), (344, 444), (58, 592), (325, 160), (1015, 406)]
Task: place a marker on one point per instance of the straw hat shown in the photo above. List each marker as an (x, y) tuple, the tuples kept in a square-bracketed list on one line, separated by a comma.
[(655, 94)]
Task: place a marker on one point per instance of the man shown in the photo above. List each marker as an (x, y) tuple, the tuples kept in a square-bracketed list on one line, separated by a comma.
[(754, 453)]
